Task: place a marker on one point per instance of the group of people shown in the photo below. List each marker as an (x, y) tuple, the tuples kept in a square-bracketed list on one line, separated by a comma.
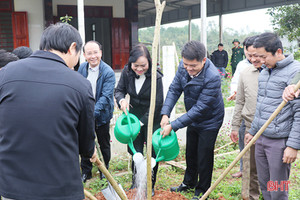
[(220, 57), (50, 113), (267, 77)]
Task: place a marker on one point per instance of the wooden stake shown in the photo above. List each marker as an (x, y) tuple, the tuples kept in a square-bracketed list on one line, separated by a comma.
[(247, 147), (176, 55), (222, 147), (89, 195), (159, 10)]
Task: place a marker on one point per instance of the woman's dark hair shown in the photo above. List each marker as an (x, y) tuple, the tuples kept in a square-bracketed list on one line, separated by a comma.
[(59, 37), (193, 50), (270, 41), (138, 51), (6, 57), (22, 52)]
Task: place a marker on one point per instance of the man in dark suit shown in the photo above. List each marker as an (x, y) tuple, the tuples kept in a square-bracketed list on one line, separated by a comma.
[(46, 120), (220, 59)]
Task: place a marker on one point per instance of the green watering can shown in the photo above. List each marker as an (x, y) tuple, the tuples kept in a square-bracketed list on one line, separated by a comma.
[(126, 129), (166, 148)]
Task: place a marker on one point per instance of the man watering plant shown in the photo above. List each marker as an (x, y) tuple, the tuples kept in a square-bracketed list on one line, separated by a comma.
[(46, 115), (277, 147), (200, 82)]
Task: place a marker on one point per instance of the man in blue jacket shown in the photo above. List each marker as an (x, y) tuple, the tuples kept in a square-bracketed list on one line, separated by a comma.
[(200, 82), (102, 79), (46, 120)]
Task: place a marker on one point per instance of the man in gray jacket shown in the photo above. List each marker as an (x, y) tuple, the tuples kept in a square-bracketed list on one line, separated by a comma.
[(277, 147)]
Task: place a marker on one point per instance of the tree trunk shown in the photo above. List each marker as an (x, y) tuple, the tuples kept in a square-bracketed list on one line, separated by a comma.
[(159, 10)]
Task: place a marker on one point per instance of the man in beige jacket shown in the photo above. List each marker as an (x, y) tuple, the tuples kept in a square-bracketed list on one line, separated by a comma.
[(245, 110)]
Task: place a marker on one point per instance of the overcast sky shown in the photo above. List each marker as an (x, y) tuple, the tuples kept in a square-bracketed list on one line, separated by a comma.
[(256, 20)]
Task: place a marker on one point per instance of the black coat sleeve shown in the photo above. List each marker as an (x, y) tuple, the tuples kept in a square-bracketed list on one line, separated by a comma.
[(226, 59), (121, 89), (86, 127)]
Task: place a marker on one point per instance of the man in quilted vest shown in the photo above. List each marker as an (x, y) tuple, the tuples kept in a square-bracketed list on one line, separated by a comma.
[(277, 147)]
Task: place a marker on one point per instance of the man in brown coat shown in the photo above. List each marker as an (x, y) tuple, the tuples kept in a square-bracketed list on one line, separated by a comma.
[(245, 110)]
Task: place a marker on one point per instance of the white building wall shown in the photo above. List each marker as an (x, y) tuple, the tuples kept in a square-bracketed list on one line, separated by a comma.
[(118, 5), (35, 14)]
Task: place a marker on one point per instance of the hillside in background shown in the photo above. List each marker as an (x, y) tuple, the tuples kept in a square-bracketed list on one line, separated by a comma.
[(179, 35)]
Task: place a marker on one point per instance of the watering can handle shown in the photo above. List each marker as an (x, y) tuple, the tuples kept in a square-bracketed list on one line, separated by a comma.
[(129, 123), (159, 140)]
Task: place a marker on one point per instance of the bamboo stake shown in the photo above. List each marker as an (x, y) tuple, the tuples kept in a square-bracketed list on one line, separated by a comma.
[(222, 147), (112, 181), (89, 195), (247, 147), (159, 10), (176, 55)]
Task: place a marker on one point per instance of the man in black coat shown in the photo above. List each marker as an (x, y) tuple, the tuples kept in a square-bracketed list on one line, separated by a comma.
[(220, 59), (46, 121)]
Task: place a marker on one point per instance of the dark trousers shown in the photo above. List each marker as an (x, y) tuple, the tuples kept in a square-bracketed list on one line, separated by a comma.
[(241, 142), (199, 158), (103, 136), (138, 144)]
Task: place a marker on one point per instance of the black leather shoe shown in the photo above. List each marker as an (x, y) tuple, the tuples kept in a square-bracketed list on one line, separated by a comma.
[(85, 177), (153, 193), (133, 186), (181, 187), (102, 176)]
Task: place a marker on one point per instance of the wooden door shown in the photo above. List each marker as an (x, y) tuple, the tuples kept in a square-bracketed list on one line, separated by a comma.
[(120, 42), (20, 29), (98, 29)]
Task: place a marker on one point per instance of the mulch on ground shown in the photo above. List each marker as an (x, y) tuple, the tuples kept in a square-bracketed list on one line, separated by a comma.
[(159, 195)]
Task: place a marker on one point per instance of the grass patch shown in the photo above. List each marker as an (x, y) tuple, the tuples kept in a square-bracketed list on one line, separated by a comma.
[(170, 176)]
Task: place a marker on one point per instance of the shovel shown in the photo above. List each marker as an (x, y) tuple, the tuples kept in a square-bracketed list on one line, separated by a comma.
[(114, 191), (109, 193)]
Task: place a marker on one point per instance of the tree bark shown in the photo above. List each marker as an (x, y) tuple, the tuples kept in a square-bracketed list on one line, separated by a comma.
[(159, 10)]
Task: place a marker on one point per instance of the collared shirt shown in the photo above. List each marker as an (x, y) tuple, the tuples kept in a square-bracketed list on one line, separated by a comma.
[(235, 79), (139, 83), (196, 74), (93, 73)]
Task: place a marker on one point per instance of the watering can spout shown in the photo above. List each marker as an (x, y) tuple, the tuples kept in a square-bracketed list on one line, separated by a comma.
[(130, 144)]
